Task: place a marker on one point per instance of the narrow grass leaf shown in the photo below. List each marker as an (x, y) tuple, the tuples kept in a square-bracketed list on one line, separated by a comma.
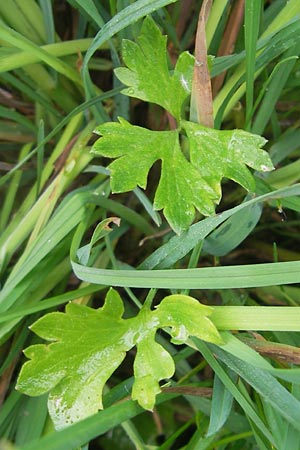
[(291, 436), (290, 12), (270, 274), (239, 397), (239, 349), (266, 385), (89, 7), (148, 206), (32, 420), (221, 405), (8, 113), (179, 246), (275, 88), (233, 231), (46, 8), (87, 429), (30, 93), (252, 21), (40, 157)]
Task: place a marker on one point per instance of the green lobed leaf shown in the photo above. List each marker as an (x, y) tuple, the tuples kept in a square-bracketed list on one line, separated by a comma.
[(147, 74), (222, 153), (87, 345), (187, 317), (181, 188), (186, 183), (152, 364), (86, 349)]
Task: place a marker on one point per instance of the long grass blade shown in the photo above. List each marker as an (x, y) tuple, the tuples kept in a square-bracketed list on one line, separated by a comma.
[(252, 21)]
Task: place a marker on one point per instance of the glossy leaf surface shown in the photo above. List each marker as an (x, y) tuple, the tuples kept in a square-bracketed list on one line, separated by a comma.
[(191, 178), (147, 74), (181, 188), (221, 153), (87, 345)]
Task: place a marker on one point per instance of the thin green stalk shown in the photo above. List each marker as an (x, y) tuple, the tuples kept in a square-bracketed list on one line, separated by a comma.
[(40, 157), (275, 88), (252, 21), (46, 7), (258, 318), (31, 93), (12, 190), (229, 439)]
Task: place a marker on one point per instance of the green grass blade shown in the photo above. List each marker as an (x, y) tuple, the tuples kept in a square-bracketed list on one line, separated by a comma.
[(236, 347), (291, 437), (11, 193), (232, 388), (217, 10), (266, 385), (32, 420), (14, 14), (72, 207), (80, 433), (290, 12), (33, 15), (275, 88), (227, 277), (179, 246), (46, 8), (258, 318), (232, 232), (252, 21), (90, 9), (40, 157), (221, 405)]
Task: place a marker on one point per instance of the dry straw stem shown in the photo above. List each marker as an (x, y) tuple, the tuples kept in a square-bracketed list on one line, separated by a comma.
[(201, 103)]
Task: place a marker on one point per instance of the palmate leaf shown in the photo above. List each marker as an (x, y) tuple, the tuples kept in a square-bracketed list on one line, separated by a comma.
[(87, 345), (184, 185), (181, 188), (187, 183), (147, 74)]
